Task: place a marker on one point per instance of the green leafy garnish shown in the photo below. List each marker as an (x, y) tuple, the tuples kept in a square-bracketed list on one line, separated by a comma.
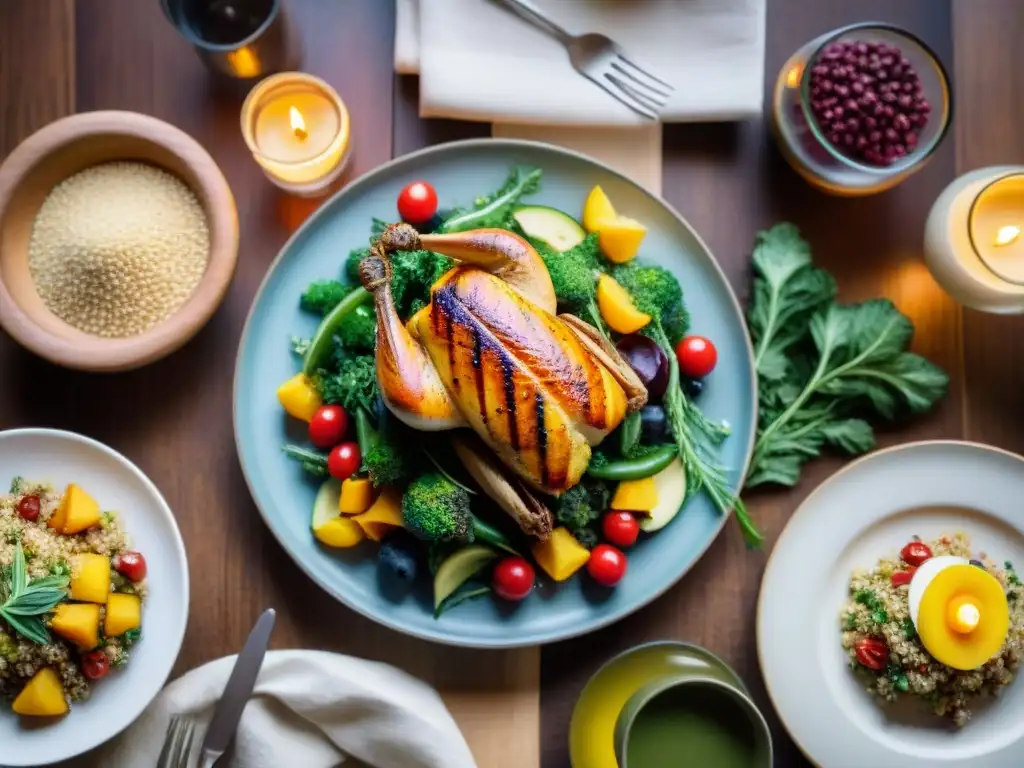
[(495, 210), (459, 598), (867, 597), (24, 602), (353, 385), (131, 637), (821, 366), (16, 484), (909, 631), (899, 679)]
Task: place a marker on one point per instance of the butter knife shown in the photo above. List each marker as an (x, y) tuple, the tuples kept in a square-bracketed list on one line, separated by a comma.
[(237, 691)]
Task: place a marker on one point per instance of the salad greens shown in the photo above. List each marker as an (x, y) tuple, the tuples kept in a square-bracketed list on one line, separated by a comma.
[(495, 210), (822, 366), (24, 601)]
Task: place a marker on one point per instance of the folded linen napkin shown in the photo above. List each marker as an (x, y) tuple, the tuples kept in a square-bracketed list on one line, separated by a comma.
[(309, 709), (478, 61)]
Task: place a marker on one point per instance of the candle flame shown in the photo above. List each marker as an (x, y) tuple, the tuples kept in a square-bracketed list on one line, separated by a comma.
[(1007, 234), (298, 124)]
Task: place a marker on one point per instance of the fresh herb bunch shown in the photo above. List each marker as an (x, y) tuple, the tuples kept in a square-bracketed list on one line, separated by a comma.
[(359, 331), (495, 210), (24, 602), (821, 366), (353, 383)]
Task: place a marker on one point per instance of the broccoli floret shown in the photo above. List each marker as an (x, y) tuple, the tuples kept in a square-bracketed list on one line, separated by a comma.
[(353, 386), (574, 277), (355, 256), (386, 464), (359, 331), (587, 537), (597, 459), (654, 290), (582, 504), (676, 323), (436, 509), (323, 295)]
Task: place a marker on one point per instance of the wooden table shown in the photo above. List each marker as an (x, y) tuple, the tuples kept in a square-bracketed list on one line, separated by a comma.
[(174, 418)]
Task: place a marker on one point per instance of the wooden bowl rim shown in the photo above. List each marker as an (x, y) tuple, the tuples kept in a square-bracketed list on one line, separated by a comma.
[(83, 351)]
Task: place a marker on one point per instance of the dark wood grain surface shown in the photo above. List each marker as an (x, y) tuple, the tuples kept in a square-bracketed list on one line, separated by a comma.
[(173, 418)]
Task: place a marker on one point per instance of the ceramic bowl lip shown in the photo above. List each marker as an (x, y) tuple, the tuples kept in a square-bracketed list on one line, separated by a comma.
[(647, 693), (79, 350), (807, 504), (443, 149)]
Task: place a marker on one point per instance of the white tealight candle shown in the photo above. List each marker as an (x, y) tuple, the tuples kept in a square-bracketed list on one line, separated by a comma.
[(297, 128), (974, 239)]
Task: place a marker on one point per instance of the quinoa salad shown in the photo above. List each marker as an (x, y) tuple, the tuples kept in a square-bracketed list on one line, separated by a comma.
[(883, 646), (71, 593)]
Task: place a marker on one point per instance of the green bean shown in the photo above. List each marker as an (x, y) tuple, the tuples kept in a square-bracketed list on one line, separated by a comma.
[(636, 469), (320, 345)]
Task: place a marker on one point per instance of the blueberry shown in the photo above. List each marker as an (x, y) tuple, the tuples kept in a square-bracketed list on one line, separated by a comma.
[(398, 557), (693, 387), (978, 563)]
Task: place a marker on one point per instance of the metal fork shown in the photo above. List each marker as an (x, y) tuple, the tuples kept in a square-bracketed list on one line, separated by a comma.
[(178, 744), (603, 61)]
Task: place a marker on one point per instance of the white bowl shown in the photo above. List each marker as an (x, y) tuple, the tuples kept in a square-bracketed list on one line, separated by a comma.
[(59, 458), (867, 511)]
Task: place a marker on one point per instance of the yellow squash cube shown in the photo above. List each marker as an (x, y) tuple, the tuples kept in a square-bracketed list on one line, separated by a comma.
[(356, 496), (561, 555), (124, 612), (43, 696), (636, 496), (78, 623), (80, 511), (299, 397), (383, 516), (90, 578)]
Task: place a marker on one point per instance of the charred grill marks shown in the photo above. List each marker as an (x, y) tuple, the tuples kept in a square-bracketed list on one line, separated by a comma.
[(542, 438)]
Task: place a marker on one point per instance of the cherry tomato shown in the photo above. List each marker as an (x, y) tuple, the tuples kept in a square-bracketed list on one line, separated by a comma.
[(95, 665), (915, 553), (620, 529), (328, 426), (901, 578), (697, 356), (513, 578), (131, 565), (607, 565), (872, 652), (28, 508), (343, 461), (417, 202)]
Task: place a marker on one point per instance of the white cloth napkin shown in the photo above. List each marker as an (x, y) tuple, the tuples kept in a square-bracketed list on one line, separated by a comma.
[(478, 61), (310, 709)]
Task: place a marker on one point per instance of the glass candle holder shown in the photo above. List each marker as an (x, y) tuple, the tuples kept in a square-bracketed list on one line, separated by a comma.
[(974, 239), (297, 128), (848, 106), (244, 39)]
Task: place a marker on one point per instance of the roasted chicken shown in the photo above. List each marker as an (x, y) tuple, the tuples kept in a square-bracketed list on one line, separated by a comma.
[(490, 353)]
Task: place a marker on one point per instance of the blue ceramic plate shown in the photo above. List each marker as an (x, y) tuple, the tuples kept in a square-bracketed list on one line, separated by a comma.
[(460, 172)]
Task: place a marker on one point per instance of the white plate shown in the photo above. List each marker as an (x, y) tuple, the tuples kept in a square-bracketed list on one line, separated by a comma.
[(866, 511), (117, 484)]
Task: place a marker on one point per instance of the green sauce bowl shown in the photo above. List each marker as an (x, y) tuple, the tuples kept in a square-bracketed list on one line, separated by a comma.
[(708, 721)]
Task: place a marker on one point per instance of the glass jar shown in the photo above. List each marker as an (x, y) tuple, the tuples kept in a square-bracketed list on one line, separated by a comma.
[(817, 152)]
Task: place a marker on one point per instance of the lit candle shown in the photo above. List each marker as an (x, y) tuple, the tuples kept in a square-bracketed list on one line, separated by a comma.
[(974, 239), (297, 128)]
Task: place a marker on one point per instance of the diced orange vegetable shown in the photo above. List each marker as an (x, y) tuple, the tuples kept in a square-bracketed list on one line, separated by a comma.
[(43, 696), (617, 307), (80, 510), (383, 516), (561, 555), (619, 236), (636, 496), (356, 496), (90, 578), (78, 623), (299, 397), (124, 612)]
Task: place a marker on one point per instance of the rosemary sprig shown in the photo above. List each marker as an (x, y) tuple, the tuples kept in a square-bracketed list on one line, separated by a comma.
[(25, 602)]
